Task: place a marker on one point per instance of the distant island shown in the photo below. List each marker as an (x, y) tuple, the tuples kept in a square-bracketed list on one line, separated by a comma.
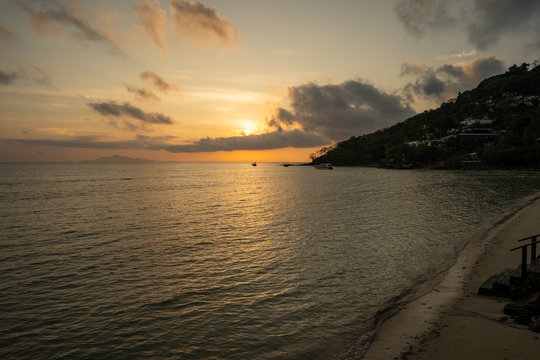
[(117, 159), (495, 125)]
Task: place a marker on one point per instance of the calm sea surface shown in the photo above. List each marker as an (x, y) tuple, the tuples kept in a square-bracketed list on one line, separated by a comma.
[(223, 261)]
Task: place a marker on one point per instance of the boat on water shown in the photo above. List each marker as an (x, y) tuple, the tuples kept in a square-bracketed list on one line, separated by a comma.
[(254, 164), (324, 166)]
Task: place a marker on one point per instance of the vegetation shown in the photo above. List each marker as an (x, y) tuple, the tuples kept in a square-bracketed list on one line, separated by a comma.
[(441, 138)]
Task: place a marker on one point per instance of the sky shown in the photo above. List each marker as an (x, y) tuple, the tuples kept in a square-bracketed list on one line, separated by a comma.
[(238, 80)]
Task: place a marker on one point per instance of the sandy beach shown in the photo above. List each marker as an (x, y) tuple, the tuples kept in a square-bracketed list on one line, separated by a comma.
[(452, 321)]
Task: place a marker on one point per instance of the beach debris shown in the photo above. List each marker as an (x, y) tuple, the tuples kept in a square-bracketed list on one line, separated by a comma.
[(525, 312)]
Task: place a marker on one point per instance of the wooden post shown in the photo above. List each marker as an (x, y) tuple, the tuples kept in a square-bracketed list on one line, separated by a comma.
[(533, 248), (523, 263)]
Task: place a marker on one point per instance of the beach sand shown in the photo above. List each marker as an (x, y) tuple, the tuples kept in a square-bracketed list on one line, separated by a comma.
[(452, 321)]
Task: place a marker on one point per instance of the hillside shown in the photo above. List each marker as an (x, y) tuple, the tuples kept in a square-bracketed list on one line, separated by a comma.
[(496, 124)]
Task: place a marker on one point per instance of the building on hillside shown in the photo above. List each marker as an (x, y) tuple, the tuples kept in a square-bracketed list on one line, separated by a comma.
[(471, 122)]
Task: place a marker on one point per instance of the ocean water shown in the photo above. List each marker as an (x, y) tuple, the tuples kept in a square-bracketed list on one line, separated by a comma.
[(224, 261)]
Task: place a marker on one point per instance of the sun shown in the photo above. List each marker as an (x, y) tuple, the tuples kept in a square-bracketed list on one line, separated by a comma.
[(248, 127)]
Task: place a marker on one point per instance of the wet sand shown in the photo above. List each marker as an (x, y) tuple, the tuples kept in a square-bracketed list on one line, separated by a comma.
[(452, 321)]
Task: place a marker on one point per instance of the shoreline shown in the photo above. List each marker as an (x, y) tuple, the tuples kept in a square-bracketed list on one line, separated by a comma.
[(431, 326)]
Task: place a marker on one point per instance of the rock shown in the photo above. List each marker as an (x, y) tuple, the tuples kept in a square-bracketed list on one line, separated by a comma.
[(514, 309), (536, 326), (523, 319)]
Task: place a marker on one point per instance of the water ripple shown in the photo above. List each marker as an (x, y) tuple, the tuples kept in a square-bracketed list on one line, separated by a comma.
[(223, 260)]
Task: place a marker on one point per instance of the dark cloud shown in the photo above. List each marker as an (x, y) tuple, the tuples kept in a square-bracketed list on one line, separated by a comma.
[(202, 25), (419, 15), (495, 18), (50, 13), (142, 93), (147, 138), (114, 109), (339, 111), (150, 17), (6, 34), (472, 73), (446, 81), (24, 74), (272, 140), (7, 78), (280, 117), (157, 81), (427, 82), (486, 21)]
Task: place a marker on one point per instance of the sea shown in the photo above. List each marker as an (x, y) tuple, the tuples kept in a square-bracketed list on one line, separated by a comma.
[(226, 260)]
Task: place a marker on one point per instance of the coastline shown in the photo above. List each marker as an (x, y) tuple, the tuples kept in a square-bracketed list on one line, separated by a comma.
[(451, 321)]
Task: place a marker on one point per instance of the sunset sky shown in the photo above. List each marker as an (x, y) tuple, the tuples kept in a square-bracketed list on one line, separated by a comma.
[(238, 80)]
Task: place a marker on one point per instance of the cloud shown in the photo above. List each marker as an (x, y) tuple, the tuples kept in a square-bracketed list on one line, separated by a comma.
[(142, 93), (495, 18), (446, 81), (158, 139), (84, 142), (57, 131), (153, 20), (271, 140), (419, 15), (457, 55), (6, 34), (157, 81), (472, 73), (24, 73), (485, 21), (338, 111), (202, 25), (56, 14), (427, 82), (7, 78), (318, 115), (114, 109)]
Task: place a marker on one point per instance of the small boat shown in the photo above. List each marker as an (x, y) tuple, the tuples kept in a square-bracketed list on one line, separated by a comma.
[(286, 165), (324, 166), (254, 164)]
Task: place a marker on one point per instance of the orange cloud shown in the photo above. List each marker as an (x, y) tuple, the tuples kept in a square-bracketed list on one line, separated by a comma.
[(202, 25), (54, 16), (142, 93), (153, 21), (157, 81)]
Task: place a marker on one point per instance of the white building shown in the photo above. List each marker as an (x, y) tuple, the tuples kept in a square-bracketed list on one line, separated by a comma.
[(470, 121)]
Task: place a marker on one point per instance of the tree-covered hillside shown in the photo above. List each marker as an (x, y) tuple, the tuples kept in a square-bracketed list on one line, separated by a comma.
[(497, 123)]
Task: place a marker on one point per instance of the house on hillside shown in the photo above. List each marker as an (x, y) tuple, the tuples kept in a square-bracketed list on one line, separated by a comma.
[(471, 122), (471, 131)]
